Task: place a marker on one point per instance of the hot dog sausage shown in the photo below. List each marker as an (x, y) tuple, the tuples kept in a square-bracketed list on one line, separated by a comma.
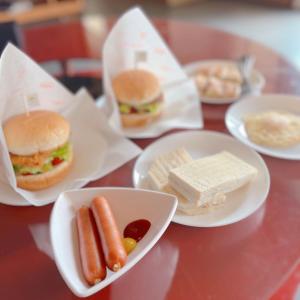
[(91, 253), (114, 251)]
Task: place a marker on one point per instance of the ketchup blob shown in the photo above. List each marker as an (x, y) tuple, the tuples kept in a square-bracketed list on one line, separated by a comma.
[(137, 229)]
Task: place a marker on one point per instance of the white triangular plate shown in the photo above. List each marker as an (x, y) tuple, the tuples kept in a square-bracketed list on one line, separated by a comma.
[(128, 205)]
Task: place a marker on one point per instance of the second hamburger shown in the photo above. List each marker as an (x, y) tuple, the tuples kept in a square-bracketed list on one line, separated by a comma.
[(139, 96)]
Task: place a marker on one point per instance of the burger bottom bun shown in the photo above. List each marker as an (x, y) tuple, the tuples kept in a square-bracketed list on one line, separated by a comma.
[(42, 181), (139, 120)]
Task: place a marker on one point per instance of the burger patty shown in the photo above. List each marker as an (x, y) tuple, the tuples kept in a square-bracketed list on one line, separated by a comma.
[(40, 162), (35, 160), (150, 107)]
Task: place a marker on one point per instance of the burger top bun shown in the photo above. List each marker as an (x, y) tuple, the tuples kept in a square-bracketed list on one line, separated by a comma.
[(37, 131), (136, 86)]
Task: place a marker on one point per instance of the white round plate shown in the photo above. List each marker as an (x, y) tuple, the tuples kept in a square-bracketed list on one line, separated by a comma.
[(255, 104), (240, 203), (257, 80)]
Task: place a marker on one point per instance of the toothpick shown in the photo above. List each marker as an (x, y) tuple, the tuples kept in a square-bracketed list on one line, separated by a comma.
[(25, 102), (140, 56)]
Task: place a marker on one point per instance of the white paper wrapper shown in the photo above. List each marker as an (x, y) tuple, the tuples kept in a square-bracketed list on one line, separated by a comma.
[(98, 149), (134, 33)]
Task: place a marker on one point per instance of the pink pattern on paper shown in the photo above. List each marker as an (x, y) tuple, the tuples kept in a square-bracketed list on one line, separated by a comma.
[(143, 34), (21, 73), (162, 78), (166, 68), (160, 51), (190, 97), (132, 45), (57, 101), (47, 85)]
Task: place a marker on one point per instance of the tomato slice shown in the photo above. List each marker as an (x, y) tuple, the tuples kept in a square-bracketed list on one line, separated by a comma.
[(133, 110), (26, 174), (56, 161)]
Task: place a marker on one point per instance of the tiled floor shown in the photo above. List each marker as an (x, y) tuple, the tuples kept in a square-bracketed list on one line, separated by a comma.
[(277, 28)]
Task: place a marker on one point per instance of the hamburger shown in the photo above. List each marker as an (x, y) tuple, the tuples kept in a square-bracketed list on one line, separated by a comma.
[(139, 96), (39, 148)]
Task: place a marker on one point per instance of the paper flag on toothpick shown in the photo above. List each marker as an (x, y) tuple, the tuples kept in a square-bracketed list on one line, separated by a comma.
[(140, 57)]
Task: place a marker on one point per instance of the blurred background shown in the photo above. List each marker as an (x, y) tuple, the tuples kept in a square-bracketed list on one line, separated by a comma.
[(274, 23), (66, 36)]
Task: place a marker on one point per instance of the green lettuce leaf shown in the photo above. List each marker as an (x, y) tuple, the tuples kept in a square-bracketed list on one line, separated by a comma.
[(62, 152), (149, 107), (124, 108), (143, 108), (47, 167), (24, 170)]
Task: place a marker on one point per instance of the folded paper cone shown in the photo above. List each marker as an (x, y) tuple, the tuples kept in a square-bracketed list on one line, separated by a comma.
[(137, 81)]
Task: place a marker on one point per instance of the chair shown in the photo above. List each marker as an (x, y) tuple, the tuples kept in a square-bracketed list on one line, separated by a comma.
[(43, 11), (59, 40), (9, 32)]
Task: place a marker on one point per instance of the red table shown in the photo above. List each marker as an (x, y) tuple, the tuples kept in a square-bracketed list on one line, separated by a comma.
[(246, 260)]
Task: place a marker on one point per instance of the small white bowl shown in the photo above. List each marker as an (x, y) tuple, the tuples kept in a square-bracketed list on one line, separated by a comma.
[(257, 80), (128, 205)]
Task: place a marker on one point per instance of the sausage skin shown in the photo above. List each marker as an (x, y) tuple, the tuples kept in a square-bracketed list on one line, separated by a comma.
[(114, 251), (91, 253)]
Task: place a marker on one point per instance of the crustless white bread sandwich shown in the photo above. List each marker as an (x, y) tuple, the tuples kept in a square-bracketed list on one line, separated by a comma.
[(139, 96), (210, 178), (199, 185), (39, 148)]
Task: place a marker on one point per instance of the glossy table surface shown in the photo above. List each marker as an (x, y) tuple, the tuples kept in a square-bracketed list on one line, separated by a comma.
[(246, 260)]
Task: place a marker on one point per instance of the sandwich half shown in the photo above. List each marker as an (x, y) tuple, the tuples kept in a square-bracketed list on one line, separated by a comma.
[(208, 179), (158, 178)]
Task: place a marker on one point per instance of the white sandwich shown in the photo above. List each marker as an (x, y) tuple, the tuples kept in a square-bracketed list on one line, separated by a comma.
[(208, 179), (160, 168), (158, 180), (190, 208)]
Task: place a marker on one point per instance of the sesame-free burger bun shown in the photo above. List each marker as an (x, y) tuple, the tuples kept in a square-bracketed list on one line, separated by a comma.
[(136, 86), (139, 120), (37, 131), (45, 180)]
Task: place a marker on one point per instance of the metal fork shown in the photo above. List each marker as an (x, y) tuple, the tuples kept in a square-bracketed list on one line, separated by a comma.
[(245, 64)]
